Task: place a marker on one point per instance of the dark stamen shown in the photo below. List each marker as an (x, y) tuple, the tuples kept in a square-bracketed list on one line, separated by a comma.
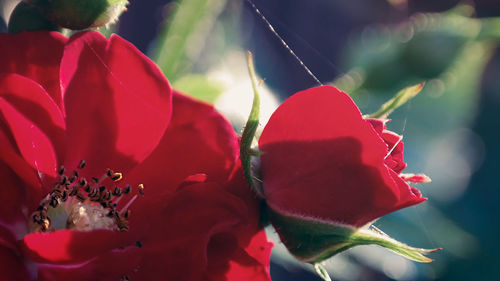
[(63, 180), (61, 171), (117, 191), (81, 165), (64, 196), (127, 190), (80, 197), (138, 244), (82, 182), (53, 201)]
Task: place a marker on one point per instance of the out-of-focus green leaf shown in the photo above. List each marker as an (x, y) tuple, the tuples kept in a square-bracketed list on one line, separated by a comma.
[(184, 34), (490, 29), (200, 87), (398, 100), (423, 48)]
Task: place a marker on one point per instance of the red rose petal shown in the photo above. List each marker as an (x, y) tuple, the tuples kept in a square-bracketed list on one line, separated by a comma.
[(110, 266), (416, 178), (13, 197), (118, 103), (253, 262), (177, 247), (198, 140), (32, 143), (322, 159), (35, 55), (10, 155), (67, 246), (35, 104), (11, 266)]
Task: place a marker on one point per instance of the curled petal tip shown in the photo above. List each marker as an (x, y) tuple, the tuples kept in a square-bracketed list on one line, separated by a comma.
[(416, 178)]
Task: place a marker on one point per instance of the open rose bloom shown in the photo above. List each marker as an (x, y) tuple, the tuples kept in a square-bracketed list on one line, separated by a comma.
[(159, 194), (328, 173)]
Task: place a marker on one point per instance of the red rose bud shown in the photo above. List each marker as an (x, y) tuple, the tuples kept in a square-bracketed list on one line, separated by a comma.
[(77, 14), (328, 173)]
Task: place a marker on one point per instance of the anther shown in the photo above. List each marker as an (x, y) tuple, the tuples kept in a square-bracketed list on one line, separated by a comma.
[(45, 224), (61, 170), (110, 204), (64, 196), (37, 218), (96, 180), (82, 182), (80, 197), (105, 196), (81, 165), (127, 214), (53, 201), (138, 244), (116, 176), (94, 195), (74, 191), (87, 188), (102, 188), (63, 180), (127, 190), (117, 191), (73, 177), (55, 191), (140, 189)]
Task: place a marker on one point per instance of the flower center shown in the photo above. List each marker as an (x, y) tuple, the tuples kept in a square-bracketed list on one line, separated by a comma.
[(75, 203)]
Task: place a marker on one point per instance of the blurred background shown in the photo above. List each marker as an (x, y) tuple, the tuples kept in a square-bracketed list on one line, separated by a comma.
[(371, 50)]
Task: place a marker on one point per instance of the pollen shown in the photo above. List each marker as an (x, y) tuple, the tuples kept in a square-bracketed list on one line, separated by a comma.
[(75, 203)]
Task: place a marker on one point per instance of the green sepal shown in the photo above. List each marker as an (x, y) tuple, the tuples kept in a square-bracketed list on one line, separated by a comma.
[(26, 17), (246, 151), (313, 241), (398, 100), (78, 14)]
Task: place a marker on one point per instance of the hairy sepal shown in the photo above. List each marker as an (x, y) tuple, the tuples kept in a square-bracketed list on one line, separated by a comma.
[(314, 240)]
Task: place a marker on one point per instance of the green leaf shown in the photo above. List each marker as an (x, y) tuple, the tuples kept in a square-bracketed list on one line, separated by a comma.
[(321, 271), (200, 87), (313, 240), (246, 151), (398, 100), (183, 35)]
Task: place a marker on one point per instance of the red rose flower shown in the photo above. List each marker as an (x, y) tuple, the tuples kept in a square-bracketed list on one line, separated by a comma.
[(322, 160), (101, 100)]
